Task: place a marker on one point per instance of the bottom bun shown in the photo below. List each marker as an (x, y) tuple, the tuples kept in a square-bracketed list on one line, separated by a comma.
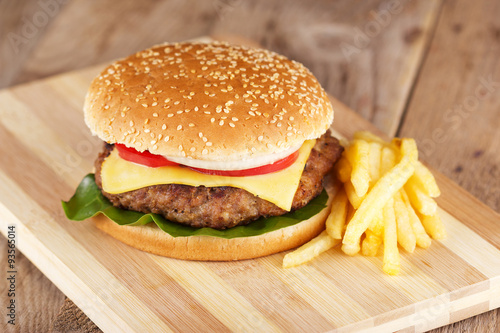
[(152, 239)]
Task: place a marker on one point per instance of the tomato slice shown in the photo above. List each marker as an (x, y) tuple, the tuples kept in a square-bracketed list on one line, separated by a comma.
[(144, 158), (156, 161), (261, 170)]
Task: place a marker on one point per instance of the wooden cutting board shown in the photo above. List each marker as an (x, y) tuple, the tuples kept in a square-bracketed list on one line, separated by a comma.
[(46, 150)]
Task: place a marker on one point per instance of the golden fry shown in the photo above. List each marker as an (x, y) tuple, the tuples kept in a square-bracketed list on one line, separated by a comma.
[(352, 196), (374, 157), (419, 200), (423, 179), (391, 254), (387, 160), (409, 148), (310, 250), (406, 236), (358, 156), (337, 218), (371, 244), (343, 170), (423, 240), (434, 226), (377, 224)]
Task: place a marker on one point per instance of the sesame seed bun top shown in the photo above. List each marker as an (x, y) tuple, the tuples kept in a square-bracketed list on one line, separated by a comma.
[(213, 102)]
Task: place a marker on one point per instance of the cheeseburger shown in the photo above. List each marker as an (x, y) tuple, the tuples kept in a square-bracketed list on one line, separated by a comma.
[(210, 137)]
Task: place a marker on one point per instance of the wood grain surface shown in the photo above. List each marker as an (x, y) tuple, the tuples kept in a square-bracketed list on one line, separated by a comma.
[(415, 66)]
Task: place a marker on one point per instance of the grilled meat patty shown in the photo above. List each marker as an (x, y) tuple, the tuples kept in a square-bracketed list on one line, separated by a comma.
[(222, 207)]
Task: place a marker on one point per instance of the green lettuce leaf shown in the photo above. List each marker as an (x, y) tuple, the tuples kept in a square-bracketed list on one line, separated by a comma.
[(88, 201)]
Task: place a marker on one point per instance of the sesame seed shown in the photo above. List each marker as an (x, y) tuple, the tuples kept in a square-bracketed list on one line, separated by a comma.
[(154, 104), (209, 144), (179, 127), (155, 114)]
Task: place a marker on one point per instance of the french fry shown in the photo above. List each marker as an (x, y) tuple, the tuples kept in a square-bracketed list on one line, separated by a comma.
[(352, 196), (408, 147), (337, 218), (424, 179), (422, 203), (358, 156), (422, 239), (391, 254), (406, 236), (371, 244), (433, 226), (383, 190), (310, 250), (374, 158), (387, 160), (377, 224), (343, 170), (350, 212)]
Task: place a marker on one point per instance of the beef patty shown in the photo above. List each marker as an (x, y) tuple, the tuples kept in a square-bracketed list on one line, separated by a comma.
[(222, 207)]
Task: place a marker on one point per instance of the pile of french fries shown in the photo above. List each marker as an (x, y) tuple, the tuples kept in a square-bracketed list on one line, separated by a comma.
[(386, 199)]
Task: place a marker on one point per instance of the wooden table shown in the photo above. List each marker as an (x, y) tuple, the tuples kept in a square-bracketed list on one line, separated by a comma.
[(425, 69)]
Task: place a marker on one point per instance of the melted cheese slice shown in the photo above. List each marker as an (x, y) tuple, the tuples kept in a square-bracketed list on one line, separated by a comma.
[(119, 175)]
